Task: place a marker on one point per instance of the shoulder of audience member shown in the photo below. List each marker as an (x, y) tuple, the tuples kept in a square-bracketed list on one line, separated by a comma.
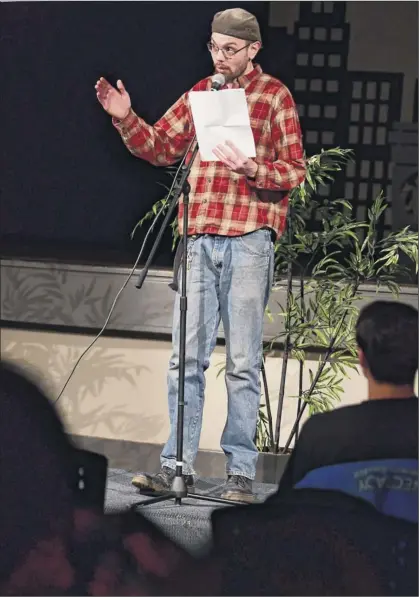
[(324, 419)]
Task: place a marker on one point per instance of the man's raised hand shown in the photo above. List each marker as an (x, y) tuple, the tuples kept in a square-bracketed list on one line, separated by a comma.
[(116, 102)]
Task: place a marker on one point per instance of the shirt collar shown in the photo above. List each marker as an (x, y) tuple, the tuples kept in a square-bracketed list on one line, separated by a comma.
[(244, 80)]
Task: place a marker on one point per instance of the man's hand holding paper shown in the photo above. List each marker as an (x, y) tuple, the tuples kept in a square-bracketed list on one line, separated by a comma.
[(235, 159), (223, 130)]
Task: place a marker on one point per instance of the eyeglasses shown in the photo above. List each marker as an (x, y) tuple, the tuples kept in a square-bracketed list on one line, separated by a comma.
[(226, 52)]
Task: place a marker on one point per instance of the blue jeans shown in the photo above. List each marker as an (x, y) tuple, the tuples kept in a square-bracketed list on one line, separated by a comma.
[(228, 279)]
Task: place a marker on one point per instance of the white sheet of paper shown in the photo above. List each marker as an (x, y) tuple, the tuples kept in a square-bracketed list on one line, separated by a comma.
[(221, 116)]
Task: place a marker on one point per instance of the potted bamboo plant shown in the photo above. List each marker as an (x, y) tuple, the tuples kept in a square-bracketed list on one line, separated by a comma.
[(324, 269)]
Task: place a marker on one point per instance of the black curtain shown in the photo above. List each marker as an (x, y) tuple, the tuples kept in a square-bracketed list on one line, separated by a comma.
[(69, 188)]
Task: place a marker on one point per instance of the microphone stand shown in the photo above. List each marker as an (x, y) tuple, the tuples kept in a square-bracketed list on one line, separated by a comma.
[(178, 490)]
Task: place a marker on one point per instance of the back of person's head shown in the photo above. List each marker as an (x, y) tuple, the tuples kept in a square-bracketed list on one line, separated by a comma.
[(35, 467), (387, 334), (53, 543)]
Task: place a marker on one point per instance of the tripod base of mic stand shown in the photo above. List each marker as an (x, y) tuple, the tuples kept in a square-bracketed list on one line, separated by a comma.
[(179, 492), (193, 496)]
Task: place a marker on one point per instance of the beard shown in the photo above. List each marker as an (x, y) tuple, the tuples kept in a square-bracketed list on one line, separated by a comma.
[(233, 73)]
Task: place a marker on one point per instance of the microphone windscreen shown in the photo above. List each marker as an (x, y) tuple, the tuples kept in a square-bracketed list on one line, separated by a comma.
[(218, 80)]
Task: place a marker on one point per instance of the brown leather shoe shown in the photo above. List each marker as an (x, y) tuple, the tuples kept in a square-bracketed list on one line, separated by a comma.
[(238, 489), (161, 481)]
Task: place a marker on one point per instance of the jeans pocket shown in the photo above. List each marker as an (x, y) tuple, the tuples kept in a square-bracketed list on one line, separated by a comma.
[(189, 251), (258, 243)]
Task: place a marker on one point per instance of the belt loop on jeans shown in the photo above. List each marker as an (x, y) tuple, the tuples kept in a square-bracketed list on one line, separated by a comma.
[(272, 232)]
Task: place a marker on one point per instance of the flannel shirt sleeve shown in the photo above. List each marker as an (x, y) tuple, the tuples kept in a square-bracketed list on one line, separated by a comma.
[(288, 170), (162, 144)]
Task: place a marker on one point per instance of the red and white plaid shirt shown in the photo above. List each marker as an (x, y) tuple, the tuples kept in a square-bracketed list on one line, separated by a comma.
[(223, 202)]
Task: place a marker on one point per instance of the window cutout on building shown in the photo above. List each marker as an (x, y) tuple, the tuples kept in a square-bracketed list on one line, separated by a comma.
[(350, 169), (367, 135), (383, 113), (378, 170), (312, 137), (336, 34), (390, 170), (314, 111), (302, 59), (328, 137), (318, 59), (362, 213), (355, 113), (334, 60), (381, 135), (316, 85), (362, 190), (320, 34), (332, 86), (330, 112), (349, 190), (328, 7), (365, 169), (300, 84), (317, 7), (353, 135), (304, 33), (371, 90), (357, 90), (369, 112), (385, 91)]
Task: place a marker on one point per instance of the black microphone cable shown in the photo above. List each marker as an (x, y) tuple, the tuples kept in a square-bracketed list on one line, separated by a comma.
[(134, 267), (218, 80)]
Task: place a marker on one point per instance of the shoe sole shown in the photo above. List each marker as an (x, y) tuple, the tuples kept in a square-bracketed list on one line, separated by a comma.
[(145, 484), (238, 497)]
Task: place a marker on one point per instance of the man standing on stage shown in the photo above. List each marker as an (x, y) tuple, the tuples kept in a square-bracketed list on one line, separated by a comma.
[(238, 207)]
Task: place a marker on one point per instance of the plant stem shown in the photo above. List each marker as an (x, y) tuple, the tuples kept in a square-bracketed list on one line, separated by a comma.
[(268, 405), (318, 373), (301, 371), (287, 343)]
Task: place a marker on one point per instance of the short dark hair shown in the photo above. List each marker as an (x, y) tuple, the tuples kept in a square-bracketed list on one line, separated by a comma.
[(387, 333)]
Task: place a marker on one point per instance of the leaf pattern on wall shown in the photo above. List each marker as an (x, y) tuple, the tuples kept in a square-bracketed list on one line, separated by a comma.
[(81, 404), (59, 295), (49, 295)]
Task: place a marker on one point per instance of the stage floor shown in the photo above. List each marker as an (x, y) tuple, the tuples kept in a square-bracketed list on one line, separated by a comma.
[(188, 524)]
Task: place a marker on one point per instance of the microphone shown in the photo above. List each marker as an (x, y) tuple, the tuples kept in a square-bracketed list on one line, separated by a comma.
[(218, 81)]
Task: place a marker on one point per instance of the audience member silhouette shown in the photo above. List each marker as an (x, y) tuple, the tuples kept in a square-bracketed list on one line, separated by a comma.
[(50, 544)]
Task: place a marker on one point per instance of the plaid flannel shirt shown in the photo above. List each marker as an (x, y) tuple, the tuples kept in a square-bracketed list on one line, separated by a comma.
[(222, 202)]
